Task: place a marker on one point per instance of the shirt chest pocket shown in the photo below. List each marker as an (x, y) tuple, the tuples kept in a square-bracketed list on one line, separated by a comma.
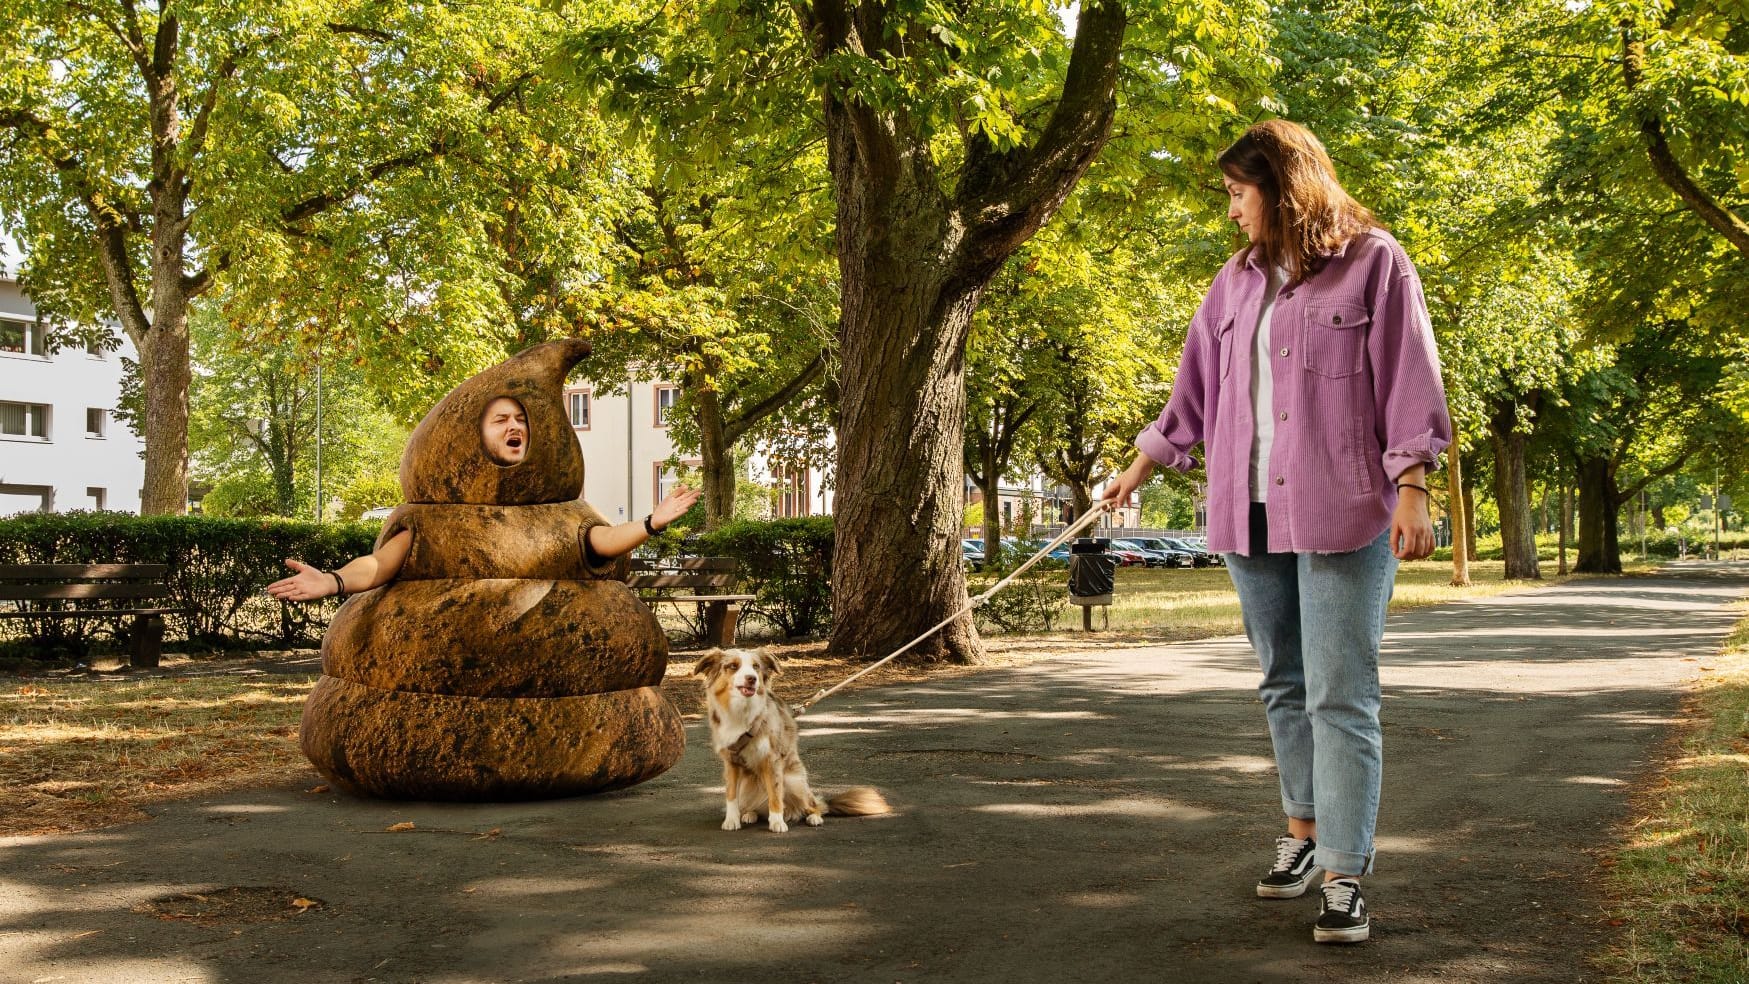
[(1224, 337), (1333, 339)]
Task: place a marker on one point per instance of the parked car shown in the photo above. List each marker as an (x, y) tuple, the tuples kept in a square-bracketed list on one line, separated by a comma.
[(972, 552), (1175, 556), (1200, 556), (1150, 557)]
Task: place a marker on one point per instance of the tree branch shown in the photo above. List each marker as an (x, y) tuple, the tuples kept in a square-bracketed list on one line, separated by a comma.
[(1007, 195), (1664, 163), (735, 428)]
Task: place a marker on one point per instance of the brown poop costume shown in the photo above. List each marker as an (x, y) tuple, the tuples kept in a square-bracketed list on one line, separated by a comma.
[(500, 664)]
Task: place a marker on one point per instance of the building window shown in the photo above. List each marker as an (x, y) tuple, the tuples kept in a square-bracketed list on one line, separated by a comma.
[(97, 495), (665, 398), (96, 422), (577, 403), (24, 420), (21, 337), (667, 478), (792, 491), (94, 348)]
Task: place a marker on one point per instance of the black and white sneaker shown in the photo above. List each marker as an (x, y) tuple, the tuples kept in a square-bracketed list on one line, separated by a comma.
[(1342, 915), (1294, 869)]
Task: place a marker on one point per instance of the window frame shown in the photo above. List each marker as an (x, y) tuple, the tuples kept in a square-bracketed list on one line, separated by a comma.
[(33, 334), (588, 395), (47, 418), (661, 419)]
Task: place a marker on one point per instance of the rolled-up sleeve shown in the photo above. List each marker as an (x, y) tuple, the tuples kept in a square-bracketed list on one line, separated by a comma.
[(1168, 440), (1413, 423)]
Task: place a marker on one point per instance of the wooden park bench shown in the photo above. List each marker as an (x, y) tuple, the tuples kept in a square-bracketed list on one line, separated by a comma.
[(139, 585), (703, 581)]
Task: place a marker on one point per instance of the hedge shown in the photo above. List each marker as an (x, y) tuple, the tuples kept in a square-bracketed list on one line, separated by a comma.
[(218, 570), (785, 563)]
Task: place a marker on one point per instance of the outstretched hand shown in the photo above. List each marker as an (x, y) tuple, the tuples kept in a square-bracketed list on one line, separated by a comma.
[(673, 507), (307, 584)]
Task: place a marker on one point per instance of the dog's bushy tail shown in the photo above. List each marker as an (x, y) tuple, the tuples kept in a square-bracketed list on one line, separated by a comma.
[(861, 801)]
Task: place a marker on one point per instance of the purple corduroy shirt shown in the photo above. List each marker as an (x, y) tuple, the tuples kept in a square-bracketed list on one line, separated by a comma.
[(1357, 398)]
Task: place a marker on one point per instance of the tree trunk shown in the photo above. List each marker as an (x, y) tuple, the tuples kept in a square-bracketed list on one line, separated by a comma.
[(1512, 494), (1461, 516), (990, 484), (718, 458), (1470, 552), (164, 376), (1562, 568), (1599, 551), (899, 506)]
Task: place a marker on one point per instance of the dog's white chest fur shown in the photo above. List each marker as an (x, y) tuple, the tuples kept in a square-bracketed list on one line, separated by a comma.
[(732, 725)]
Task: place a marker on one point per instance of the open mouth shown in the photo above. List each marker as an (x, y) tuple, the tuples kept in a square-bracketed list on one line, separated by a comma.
[(747, 689), (513, 442)]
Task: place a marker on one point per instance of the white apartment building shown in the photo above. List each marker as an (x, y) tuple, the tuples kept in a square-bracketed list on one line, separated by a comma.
[(60, 446), (626, 449)]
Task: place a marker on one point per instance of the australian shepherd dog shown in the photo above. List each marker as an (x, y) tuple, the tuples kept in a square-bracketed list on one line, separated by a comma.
[(754, 733)]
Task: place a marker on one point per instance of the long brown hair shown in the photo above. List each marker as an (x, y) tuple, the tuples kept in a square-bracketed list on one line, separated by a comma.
[(1307, 216)]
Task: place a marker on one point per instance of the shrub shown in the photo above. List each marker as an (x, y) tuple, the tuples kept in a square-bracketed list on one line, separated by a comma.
[(218, 568), (1031, 602), (785, 563)]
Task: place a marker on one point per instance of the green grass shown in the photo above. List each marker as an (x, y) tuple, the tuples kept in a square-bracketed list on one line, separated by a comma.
[(1195, 604), (1681, 882)]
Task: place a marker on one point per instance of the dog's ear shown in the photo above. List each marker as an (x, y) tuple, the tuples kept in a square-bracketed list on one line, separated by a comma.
[(769, 665), (708, 663)]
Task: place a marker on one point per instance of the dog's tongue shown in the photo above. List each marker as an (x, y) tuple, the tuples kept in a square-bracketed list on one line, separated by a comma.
[(746, 691)]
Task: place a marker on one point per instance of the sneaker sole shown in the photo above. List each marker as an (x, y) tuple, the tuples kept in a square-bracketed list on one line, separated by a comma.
[(1354, 934), (1289, 891)]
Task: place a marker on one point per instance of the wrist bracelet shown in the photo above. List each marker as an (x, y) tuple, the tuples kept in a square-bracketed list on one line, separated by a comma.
[(339, 583), (650, 527), (1419, 488)]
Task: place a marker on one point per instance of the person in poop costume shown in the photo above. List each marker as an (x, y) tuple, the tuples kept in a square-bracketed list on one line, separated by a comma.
[(490, 648)]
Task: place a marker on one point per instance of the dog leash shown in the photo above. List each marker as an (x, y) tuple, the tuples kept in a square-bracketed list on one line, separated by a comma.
[(1062, 538)]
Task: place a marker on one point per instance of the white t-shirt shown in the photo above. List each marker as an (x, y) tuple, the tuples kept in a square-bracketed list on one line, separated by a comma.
[(1263, 391)]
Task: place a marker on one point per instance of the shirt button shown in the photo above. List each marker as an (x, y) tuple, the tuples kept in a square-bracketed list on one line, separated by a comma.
[(1284, 415), (1280, 481), (1284, 353)]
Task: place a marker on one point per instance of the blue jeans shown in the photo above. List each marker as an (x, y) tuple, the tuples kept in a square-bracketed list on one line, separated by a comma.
[(1316, 621)]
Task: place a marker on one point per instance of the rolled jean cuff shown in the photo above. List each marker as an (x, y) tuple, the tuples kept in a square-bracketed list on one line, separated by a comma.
[(1343, 862), (1299, 811)]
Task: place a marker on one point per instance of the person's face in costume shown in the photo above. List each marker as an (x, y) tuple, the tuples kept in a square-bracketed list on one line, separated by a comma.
[(505, 431)]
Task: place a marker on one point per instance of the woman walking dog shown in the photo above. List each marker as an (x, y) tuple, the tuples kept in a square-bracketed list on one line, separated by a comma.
[(1310, 377)]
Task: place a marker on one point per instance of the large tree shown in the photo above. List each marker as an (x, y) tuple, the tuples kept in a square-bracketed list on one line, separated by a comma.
[(150, 152), (951, 138)]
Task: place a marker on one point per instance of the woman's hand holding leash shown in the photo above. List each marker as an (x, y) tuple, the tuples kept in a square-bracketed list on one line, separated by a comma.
[(1119, 489)]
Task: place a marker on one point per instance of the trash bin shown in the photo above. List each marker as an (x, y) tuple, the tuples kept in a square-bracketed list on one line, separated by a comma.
[(1092, 573)]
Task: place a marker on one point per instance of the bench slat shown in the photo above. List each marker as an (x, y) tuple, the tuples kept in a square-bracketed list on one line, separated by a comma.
[(34, 572), (94, 612), (694, 581), (40, 592), (728, 564)]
